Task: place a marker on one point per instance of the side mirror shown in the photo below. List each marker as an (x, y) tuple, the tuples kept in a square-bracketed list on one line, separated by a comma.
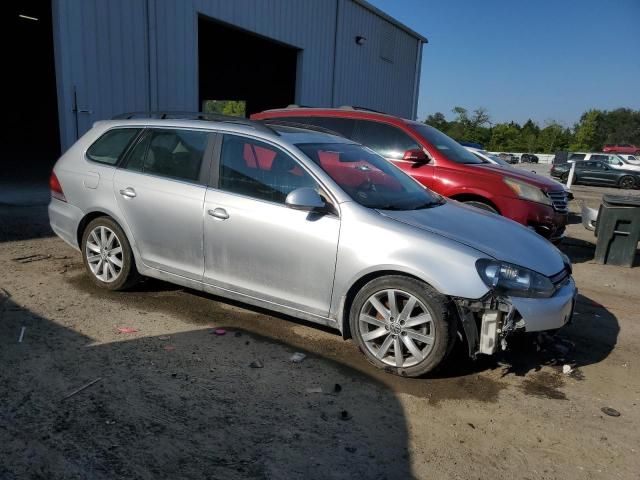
[(306, 199), (416, 155)]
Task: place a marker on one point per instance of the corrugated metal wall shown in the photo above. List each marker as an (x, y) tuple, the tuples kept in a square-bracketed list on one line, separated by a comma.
[(129, 55)]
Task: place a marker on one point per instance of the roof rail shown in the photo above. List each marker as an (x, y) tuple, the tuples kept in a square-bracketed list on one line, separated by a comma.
[(211, 117), (355, 107), (303, 126)]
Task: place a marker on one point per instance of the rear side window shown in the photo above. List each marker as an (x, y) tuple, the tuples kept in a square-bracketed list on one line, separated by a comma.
[(577, 156), (387, 140), (167, 153), (111, 145)]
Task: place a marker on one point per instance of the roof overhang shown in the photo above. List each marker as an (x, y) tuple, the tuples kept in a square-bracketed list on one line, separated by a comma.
[(391, 20)]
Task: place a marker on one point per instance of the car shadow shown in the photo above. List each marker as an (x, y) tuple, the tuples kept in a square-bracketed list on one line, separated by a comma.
[(187, 405)]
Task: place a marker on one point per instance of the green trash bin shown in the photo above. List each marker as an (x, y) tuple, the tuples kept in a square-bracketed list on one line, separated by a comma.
[(618, 230)]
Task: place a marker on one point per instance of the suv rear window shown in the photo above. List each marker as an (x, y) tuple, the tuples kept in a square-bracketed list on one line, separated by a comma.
[(342, 126), (445, 145), (111, 145)]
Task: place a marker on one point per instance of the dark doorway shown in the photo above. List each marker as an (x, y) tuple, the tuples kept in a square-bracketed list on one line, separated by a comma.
[(32, 142), (238, 66)]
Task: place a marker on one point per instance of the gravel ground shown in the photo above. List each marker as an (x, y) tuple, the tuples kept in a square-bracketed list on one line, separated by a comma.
[(173, 400)]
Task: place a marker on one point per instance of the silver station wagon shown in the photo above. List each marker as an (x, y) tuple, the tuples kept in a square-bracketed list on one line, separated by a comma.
[(308, 224)]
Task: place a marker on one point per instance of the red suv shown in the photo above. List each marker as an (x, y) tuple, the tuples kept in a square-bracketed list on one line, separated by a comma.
[(622, 148), (443, 165)]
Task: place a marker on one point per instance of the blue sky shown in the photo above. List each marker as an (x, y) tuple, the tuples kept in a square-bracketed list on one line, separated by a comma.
[(544, 59)]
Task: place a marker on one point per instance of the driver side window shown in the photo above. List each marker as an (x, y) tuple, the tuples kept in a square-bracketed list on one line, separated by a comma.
[(259, 170)]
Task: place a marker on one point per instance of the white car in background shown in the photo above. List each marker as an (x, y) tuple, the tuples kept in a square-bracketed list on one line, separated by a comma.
[(489, 157), (614, 160), (632, 159)]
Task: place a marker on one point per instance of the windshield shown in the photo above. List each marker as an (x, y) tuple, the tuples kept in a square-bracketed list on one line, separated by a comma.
[(445, 145), (368, 178)]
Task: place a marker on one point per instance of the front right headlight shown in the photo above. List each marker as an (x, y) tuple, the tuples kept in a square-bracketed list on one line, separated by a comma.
[(513, 280), (527, 191)]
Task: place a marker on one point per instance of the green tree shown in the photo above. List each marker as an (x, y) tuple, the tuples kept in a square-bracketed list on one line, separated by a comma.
[(438, 120), (586, 136)]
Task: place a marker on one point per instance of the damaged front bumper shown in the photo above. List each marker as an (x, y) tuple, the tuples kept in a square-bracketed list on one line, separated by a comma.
[(489, 321)]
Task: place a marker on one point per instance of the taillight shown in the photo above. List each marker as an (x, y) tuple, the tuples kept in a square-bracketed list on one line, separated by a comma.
[(56, 188)]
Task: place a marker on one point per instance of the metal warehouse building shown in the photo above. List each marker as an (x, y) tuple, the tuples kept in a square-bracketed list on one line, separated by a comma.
[(78, 61)]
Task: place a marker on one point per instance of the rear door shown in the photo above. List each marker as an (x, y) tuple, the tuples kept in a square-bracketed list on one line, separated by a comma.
[(254, 244), (160, 190)]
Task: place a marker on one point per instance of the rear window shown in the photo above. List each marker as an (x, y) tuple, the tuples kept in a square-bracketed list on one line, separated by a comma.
[(111, 145), (445, 145), (341, 126)]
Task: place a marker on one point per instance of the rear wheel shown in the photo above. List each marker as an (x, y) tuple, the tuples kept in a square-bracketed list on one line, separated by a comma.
[(482, 206), (565, 177), (107, 255), (402, 325), (627, 182)]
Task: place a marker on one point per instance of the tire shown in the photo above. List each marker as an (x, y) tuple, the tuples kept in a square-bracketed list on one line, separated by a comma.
[(109, 268), (627, 182), (431, 336), (565, 177), (482, 206)]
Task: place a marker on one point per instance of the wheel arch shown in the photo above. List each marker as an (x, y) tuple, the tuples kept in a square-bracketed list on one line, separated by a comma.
[(97, 213), (468, 196), (356, 286)]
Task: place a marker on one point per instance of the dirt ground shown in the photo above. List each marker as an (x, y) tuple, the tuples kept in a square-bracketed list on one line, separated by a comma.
[(174, 400)]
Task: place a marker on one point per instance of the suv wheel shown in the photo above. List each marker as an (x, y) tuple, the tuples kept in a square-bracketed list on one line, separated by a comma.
[(107, 255), (627, 182), (402, 325)]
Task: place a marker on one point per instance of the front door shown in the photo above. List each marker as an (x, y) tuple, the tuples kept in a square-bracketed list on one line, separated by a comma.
[(254, 244), (160, 191)]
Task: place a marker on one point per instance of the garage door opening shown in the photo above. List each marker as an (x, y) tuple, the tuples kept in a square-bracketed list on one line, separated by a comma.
[(30, 102), (240, 70)]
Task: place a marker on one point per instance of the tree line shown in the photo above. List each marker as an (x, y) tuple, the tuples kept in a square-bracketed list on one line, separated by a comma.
[(594, 129)]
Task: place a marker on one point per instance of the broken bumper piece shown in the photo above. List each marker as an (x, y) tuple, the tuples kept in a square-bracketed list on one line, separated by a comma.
[(488, 322)]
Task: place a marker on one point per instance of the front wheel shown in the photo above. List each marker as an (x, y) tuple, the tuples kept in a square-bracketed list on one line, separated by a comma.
[(402, 325), (107, 255), (627, 182)]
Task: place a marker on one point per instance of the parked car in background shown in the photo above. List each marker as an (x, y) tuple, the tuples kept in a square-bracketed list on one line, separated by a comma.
[(308, 224), (596, 172), (488, 157), (621, 148), (529, 158), (443, 165), (612, 159), (508, 157), (630, 158)]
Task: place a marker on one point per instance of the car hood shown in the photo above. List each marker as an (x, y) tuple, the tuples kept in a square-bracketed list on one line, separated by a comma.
[(539, 181), (491, 234)]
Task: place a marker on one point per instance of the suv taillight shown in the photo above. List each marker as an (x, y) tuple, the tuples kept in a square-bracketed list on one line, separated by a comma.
[(56, 188)]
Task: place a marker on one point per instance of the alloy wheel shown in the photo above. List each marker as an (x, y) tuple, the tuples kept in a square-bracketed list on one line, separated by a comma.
[(396, 328), (104, 254)]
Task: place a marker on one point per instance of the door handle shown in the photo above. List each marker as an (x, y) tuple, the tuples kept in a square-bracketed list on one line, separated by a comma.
[(128, 192), (219, 213)]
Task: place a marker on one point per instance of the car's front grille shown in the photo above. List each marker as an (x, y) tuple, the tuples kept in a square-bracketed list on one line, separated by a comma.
[(560, 200)]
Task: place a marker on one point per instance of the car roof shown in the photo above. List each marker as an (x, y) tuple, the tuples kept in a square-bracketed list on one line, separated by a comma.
[(341, 112)]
